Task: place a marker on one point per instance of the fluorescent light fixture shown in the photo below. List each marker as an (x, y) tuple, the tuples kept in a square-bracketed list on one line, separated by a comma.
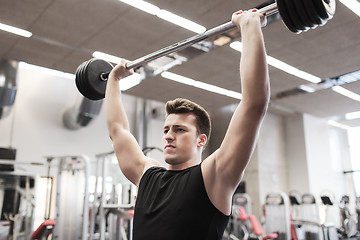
[(143, 6), (180, 21), (292, 70), (352, 115), (45, 70), (338, 125), (236, 45), (130, 81), (106, 57), (2, 80), (201, 85), (125, 83), (346, 93), (350, 77), (15, 30), (168, 66), (353, 5), (307, 88), (165, 15)]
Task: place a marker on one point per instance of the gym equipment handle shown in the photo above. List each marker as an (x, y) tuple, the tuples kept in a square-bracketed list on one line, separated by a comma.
[(267, 10)]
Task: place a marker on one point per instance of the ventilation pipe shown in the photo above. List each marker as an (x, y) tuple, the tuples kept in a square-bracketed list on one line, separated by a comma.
[(82, 114), (8, 71)]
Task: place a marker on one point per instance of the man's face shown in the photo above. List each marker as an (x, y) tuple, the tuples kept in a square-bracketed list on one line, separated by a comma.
[(180, 139)]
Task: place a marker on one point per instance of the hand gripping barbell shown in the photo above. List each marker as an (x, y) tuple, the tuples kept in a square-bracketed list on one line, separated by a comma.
[(297, 15)]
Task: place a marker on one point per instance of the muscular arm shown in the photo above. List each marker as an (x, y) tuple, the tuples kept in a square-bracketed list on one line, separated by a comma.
[(131, 160), (240, 139), (224, 169)]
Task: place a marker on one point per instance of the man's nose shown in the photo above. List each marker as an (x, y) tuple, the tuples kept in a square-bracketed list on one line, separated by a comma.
[(169, 135)]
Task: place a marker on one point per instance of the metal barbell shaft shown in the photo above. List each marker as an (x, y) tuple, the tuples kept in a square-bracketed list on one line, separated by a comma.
[(195, 39), (267, 11), (297, 15)]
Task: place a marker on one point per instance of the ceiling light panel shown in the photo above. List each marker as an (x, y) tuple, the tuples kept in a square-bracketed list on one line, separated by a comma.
[(201, 85), (353, 5), (15, 30), (143, 6), (281, 65)]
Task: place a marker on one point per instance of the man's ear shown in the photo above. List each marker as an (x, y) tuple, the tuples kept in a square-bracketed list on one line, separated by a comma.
[(202, 140)]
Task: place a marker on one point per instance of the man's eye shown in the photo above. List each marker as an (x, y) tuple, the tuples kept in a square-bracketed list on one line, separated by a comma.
[(166, 131)]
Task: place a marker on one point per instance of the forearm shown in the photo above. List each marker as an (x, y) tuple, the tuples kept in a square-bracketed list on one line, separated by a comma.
[(253, 65), (114, 108)]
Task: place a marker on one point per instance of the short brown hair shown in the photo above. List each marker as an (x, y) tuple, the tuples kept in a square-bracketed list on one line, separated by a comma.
[(181, 105)]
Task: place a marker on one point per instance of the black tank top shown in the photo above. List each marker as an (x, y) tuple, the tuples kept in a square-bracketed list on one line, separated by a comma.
[(174, 205)]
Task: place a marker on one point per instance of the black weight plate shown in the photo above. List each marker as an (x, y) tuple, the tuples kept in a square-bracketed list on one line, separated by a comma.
[(300, 8), (95, 85), (79, 79), (330, 6), (81, 76), (325, 8), (312, 12), (294, 15), (88, 92), (77, 73), (77, 76), (91, 93), (285, 17), (321, 10), (92, 74)]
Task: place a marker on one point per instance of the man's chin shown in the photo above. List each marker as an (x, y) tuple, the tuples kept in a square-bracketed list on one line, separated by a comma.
[(171, 160)]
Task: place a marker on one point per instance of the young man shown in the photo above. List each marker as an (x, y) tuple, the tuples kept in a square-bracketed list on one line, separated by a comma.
[(192, 199)]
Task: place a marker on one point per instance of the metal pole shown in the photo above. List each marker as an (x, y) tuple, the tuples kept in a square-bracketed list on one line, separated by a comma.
[(94, 206), (85, 226), (102, 202), (267, 11)]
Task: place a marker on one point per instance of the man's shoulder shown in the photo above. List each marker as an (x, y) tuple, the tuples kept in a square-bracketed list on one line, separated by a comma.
[(153, 170)]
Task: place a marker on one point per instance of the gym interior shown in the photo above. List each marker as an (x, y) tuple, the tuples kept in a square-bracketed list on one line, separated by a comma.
[(59, 177)]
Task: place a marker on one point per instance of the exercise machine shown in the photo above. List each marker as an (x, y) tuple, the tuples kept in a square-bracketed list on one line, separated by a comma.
[(114, 200), (348, 220), (44, 230), (277, 215), (17, 201), (72, 196)]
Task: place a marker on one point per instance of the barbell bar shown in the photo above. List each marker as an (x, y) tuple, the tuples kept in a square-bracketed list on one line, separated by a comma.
[(267, 10), (297, 15)]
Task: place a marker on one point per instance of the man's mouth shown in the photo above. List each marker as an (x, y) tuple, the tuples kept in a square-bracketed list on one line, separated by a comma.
[(169, 146)]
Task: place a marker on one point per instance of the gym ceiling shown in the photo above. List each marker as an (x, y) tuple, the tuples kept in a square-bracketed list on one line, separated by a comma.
[(67, 32)]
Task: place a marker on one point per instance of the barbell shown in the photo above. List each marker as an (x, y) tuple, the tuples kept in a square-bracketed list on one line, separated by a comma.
[(297, 15)]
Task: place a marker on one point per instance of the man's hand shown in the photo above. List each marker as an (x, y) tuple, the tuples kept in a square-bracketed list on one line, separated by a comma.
[(241, 18), (120, 71)]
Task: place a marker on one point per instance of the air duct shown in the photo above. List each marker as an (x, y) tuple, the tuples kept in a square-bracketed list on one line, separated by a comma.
[(80, 115), (8, 71)]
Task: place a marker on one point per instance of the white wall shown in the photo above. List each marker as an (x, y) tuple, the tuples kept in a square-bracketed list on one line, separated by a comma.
[(296, 154), (36, 120), (317, 155), (267, 170), (273, 165), (325, 157)]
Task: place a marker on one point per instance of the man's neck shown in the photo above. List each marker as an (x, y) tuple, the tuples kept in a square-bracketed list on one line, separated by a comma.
[(183, 166)]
